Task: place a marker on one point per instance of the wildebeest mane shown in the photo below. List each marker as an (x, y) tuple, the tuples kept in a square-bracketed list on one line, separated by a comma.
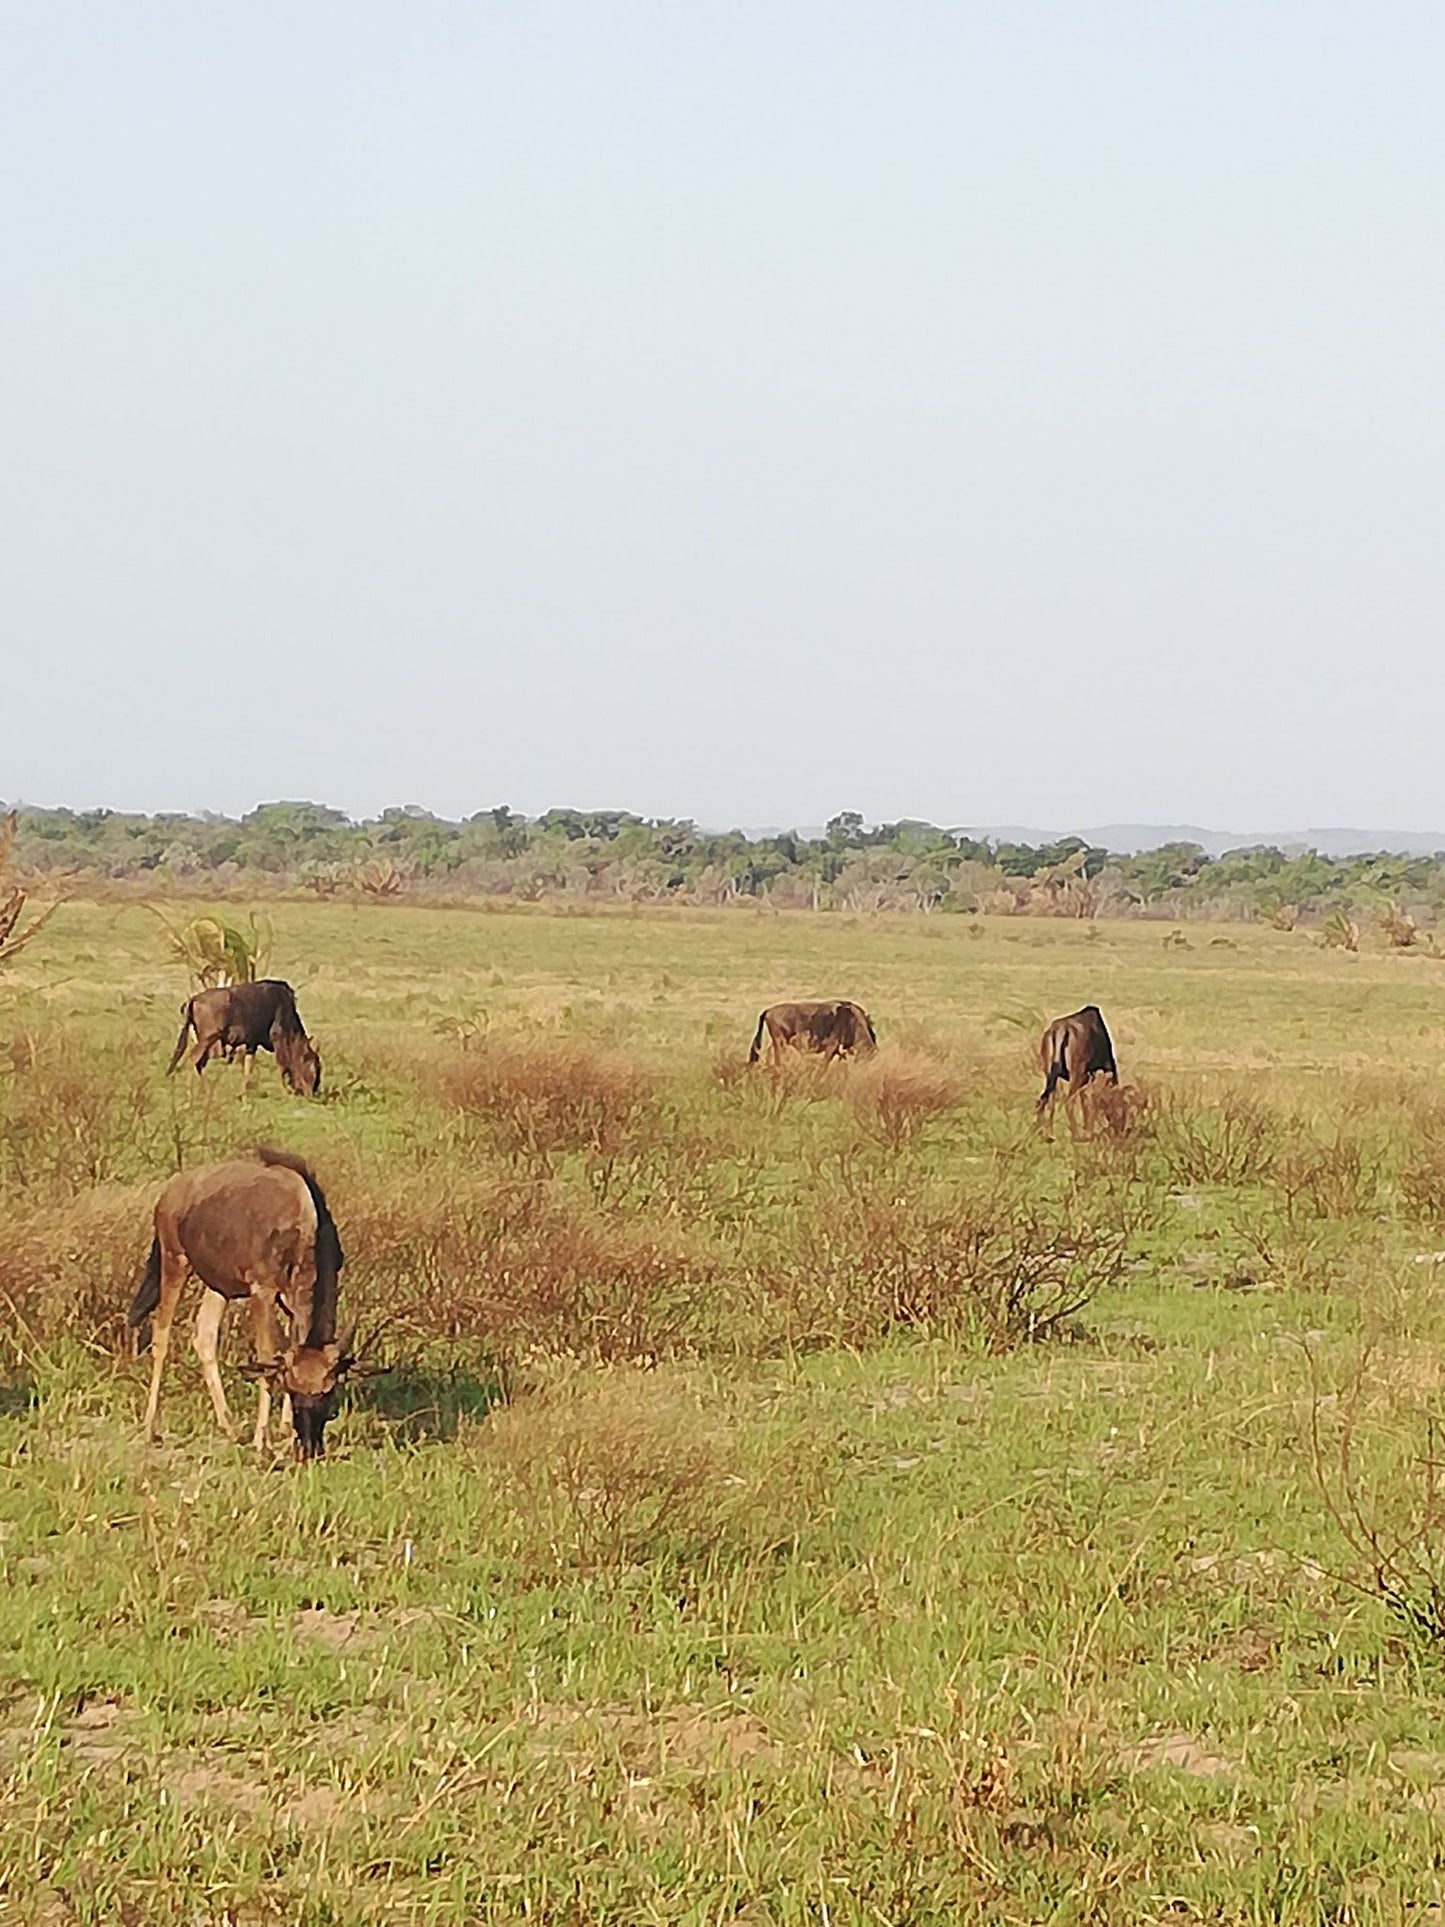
[(329, 1257)]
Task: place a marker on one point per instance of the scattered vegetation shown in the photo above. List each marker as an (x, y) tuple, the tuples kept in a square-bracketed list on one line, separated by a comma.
[(612, 856), (769, 1492)]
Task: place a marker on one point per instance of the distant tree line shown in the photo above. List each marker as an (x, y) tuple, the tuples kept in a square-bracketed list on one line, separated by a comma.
[(614, 856)]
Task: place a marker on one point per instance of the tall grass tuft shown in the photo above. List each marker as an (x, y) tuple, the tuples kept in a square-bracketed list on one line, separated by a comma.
[(537, 1098), (895, 1096), (609, 1471)]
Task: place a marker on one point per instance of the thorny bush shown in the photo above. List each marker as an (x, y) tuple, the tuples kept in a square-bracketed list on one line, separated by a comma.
[(1228, 1140), (997, 1264)]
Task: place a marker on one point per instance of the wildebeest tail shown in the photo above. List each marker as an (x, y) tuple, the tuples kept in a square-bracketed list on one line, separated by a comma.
[(180, 1050), (328, 1255), (148, 1291), (758, 1039)]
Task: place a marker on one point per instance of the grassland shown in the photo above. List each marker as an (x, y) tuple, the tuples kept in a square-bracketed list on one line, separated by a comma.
[(720, 1540)]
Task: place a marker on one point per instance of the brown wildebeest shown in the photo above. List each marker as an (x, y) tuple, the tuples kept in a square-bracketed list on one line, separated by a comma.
[(830, 1030), (1073, 1049), (251, 1017), (258, 1229)]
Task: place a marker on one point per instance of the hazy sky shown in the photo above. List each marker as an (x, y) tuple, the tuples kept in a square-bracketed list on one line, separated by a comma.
[(987, 412)]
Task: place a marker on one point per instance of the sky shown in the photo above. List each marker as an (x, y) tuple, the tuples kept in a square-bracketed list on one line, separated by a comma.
[(985, 412)]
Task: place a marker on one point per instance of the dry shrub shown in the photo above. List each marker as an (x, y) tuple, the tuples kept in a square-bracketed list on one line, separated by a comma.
[(72, 1117), (1422, 1170), (521, 1269), (1111, 1129), (998, 1264), (1376, 1453), (894, 1096), (1330, 1179), (729, 1067), (72, 1270), (794, 1073), (608, 1471), (1230, 1140), (538, 1097)]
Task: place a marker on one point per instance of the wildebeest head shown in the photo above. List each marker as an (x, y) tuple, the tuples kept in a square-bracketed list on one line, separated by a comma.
[(311, 1376), (859, 1035), (300, 1065)]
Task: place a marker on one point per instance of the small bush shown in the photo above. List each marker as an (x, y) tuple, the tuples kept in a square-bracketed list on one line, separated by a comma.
[(1340, 932), (1000, 1266), (520, 1270), (540, 1097), (895, 1096), (1332, 1179), (1233, 1140)]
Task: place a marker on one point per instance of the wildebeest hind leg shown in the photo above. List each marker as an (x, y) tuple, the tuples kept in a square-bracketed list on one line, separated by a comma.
[(207, 1336)]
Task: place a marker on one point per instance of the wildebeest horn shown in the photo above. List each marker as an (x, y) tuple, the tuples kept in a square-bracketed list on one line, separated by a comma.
[(264, 1367)]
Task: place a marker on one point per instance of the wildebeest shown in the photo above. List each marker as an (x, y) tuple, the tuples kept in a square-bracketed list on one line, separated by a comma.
[(258, 1228), (831, 1030), (1073, 1049), (251, 1017)]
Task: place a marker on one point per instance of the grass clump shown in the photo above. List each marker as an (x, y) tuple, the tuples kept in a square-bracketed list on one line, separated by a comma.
[(625, 1469)]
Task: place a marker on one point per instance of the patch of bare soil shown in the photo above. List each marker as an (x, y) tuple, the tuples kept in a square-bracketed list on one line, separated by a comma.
[(193, 1779), (102, 1730), (692, 1739), (314, 1810), (1179, 1751), (349, 1632)]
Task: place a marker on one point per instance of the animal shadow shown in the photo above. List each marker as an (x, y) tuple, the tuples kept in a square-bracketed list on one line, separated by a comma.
[(418, 1403)]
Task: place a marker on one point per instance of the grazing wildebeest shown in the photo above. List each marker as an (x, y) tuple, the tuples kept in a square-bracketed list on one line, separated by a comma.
[(830, 1030), (1073, 1049), (251, 1017), (258, 1229)]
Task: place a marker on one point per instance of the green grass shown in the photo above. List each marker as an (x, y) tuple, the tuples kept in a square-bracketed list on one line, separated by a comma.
[(784, 1609)]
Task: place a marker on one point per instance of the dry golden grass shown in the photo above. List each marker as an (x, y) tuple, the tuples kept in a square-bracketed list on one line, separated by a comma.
[(895, 1094)]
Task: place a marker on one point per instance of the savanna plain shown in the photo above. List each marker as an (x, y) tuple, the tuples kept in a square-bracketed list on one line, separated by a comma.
[(820, 1495)]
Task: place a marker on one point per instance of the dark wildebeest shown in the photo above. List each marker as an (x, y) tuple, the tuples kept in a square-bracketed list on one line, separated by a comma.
[(1073, 1049), (258, 1229), (251, 1017), (830, 1030)]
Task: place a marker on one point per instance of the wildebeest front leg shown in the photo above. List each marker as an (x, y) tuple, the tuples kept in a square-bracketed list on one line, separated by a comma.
[(208, 1332), (247, 1065), (266, 1342), (174, 1269)]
